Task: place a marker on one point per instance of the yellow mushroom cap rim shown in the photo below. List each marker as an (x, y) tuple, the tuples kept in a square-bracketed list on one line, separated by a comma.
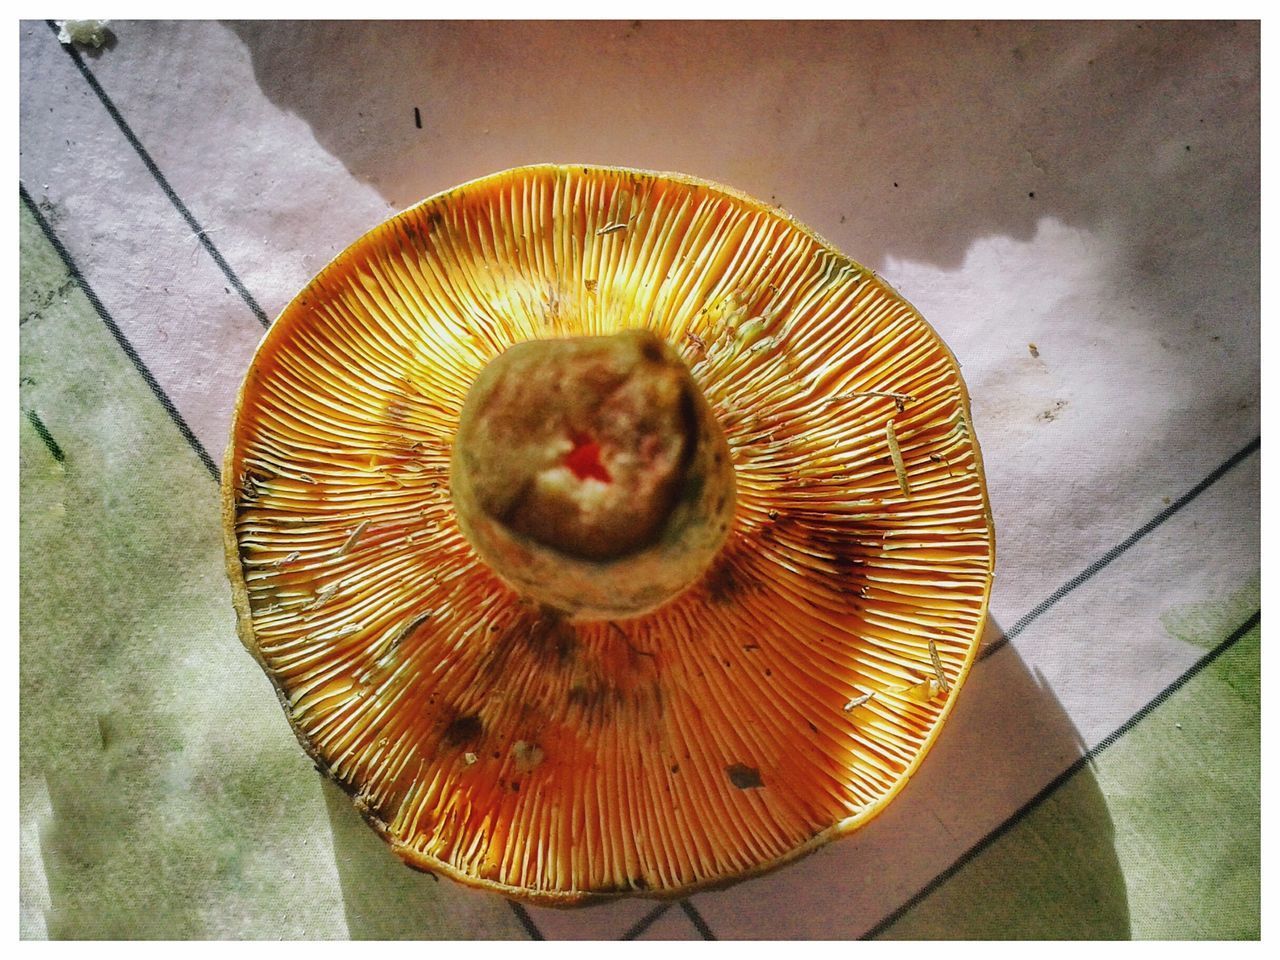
[(779, 702)]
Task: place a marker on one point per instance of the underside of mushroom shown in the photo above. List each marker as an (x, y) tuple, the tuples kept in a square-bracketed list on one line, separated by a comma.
[(607, 532)]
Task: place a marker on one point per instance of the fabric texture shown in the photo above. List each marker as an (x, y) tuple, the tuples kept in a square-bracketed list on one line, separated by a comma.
[(1075, 209)]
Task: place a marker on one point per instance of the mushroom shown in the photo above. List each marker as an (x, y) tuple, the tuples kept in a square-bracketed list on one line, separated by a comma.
[(607, 533)]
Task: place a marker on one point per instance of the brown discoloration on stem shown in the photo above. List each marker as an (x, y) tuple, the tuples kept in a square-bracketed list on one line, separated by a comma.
[(590, 474), (581, 445)]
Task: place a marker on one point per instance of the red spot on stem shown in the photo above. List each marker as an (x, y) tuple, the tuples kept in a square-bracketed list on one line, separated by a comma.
[(584, 459)]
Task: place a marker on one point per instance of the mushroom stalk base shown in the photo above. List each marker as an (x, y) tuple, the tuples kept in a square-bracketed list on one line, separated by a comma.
[(591, 475)]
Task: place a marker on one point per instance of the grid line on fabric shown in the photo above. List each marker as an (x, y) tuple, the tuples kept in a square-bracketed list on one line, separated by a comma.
[(645, 922), (1119, 549), (45, 436), (526, 921), (696, 919), (118, 334), (1079, 764), (201, 234)]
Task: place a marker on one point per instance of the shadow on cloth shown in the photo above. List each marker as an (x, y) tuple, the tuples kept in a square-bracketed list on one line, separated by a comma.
[(891, 139)]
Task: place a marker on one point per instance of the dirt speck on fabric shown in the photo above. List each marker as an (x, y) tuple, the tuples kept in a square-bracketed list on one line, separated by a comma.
[(1055, 411)]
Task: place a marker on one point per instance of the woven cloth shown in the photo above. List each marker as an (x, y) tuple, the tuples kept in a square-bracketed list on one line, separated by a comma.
[(1074, 207)]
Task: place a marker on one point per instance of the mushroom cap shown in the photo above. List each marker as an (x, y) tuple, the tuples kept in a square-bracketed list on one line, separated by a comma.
[(777, 703)]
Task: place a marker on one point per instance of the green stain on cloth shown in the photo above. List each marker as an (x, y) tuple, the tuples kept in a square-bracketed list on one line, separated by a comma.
[(43, 277), (1205, 623)]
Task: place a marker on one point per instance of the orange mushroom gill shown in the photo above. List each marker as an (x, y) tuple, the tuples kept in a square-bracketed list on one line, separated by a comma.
[(707, 643)]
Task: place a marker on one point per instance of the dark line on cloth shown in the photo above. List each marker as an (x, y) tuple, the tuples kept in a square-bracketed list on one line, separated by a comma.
[(695, 918), (46, 436), (526, 921), (1079, 764), (1115, 552), (120, 338), (417, 118), (159, 177), (645, 922)]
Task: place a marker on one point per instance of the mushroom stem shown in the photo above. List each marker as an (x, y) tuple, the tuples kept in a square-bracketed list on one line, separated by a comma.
[(591, 475)]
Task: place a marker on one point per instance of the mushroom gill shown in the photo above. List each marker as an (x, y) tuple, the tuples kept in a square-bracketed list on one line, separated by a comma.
[(562, 716)]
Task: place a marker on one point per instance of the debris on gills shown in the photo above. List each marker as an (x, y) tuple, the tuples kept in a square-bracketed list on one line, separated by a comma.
[(895, 452), (857, 702), (526, 755), (937, 667), (351, 540)]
